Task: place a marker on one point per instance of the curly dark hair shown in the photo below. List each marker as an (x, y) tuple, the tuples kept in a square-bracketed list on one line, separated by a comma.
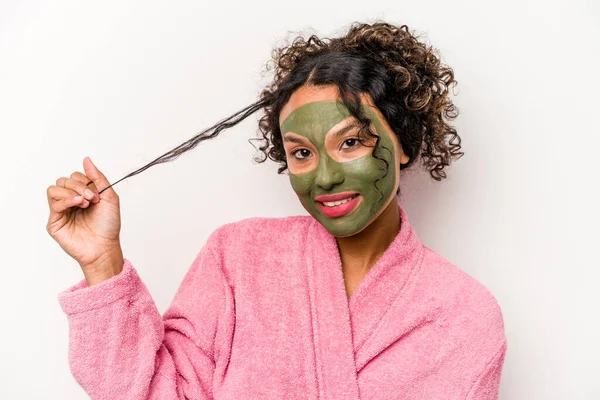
[(404, 77)]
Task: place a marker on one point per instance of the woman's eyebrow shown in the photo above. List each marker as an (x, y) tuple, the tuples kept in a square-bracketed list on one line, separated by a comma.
[(343, 131), (292, 139)]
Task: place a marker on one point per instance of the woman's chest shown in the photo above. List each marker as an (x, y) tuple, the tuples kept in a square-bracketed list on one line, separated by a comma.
[(294, 344)]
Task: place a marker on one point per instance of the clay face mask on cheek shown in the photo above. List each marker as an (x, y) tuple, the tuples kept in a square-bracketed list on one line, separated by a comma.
[(335, 170)]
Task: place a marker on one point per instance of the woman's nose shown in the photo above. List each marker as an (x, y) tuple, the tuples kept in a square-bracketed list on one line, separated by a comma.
[(329, 173)]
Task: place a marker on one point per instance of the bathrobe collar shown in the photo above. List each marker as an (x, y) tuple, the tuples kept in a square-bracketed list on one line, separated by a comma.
[(348, 332)]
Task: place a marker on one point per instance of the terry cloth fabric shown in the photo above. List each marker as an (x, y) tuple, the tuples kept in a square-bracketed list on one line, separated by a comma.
[(263, 313)]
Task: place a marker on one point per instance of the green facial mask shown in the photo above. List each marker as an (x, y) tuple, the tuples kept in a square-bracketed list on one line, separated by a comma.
[(313, 120)]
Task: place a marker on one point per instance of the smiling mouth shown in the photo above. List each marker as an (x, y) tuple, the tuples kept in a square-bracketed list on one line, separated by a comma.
[(340, 208), (337, 202)]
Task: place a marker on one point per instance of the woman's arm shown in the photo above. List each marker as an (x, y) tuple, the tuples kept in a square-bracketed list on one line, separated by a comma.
[(121, 348)]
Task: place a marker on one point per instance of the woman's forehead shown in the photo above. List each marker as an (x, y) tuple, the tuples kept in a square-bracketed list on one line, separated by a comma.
[(308, 94), (316, 117)]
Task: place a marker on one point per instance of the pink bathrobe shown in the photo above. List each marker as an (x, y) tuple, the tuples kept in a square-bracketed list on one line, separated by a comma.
[(263, 313)]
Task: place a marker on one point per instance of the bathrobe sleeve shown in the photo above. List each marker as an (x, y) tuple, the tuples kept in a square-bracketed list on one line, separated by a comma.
[(121, 348), (487, 385)]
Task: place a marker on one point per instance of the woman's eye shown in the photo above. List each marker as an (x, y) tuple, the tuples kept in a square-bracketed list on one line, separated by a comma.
[(351, 142), (304, 152)]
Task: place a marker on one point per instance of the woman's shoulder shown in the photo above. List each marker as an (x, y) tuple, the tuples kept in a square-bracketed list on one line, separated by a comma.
[(462, 295), (256, 243), (261, 230)]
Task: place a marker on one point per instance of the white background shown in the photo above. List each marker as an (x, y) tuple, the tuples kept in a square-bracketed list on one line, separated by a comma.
[(124, 82)]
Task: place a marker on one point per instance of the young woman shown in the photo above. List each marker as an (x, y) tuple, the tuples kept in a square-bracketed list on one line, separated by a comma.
[(343, 303)]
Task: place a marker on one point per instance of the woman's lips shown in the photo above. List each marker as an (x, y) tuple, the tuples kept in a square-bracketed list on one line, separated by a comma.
[(339, 210), (335, 197)]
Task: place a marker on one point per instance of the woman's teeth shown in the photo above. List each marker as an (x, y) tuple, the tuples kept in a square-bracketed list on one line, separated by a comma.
[(337, 203)]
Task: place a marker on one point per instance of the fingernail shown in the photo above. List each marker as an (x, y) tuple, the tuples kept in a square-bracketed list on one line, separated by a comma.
[(88, 193)]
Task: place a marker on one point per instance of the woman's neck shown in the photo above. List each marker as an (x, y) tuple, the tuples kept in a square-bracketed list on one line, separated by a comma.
[(359, 252)]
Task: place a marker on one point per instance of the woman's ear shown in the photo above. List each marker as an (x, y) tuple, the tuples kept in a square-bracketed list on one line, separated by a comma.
[(404, 158)]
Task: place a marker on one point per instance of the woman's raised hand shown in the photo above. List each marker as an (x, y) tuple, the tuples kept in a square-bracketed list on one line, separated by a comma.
[(87, 224)]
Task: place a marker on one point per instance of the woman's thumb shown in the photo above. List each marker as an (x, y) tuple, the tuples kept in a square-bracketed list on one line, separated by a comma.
[(92, 172)]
